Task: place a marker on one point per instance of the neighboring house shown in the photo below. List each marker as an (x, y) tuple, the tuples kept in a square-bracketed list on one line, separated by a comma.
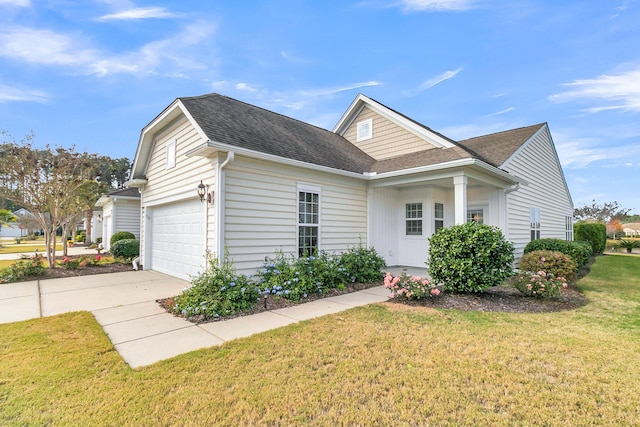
[(631, 229), (18, 229), (120, 212), (380, 179)]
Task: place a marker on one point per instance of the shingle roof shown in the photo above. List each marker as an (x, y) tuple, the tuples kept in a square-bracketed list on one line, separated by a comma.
[(125, 192), (236, 123), (496, 148), (247, 126)]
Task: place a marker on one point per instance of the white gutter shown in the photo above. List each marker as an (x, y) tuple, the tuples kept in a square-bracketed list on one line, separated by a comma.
[(219, 206)]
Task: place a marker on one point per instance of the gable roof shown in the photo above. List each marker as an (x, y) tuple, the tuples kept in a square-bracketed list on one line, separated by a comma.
[(497, 148), (434, 138), (239, 124), (226, 122)]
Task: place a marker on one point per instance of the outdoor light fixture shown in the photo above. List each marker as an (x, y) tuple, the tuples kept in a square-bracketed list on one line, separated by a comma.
[(202, 190), (202, 193)]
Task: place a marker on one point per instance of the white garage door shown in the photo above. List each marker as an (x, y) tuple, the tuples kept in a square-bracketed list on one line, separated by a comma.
[(177, 234)]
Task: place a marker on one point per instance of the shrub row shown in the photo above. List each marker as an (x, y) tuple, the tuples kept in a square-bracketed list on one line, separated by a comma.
[(219, 291), (580, 252), (25, 267)]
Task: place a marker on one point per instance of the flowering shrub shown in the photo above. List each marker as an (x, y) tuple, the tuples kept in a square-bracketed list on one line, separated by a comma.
[(296, 278), (553, 262), (69, 264), (410, 287), (25, 267), (540, 285), (218, 291)]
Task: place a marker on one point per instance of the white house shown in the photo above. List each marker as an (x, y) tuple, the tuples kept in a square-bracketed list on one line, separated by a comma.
[(379, 178), (120, 212)]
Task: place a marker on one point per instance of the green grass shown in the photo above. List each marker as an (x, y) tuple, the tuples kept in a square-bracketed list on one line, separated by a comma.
[(378, 365), (26, 248)]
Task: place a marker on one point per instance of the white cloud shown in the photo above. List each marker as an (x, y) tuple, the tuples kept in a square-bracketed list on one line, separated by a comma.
[(46, 47), (137, 14), (18, 3), (245, 87), (433, 81), (12, 94), (436, 5), (620, 91), (334, 90), (505, 111)]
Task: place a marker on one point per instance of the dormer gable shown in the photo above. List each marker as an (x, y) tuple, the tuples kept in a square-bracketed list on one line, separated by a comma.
[(383, 133)]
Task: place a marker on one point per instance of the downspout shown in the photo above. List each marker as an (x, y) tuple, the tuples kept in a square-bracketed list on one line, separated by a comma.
[(219, 206)]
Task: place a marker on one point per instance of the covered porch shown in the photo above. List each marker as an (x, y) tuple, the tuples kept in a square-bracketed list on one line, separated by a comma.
[(405, 210)]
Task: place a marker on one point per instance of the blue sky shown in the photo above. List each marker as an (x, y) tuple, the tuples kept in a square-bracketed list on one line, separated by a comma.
[(93, 73)]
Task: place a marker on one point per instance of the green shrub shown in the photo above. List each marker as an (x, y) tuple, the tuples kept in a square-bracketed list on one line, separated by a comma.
[(629, 245), (556, 263), (296, 278), (540, 285), (580, 252), (23, 268), (362, 265), (126, 249), (120, 235), (219, 291), (592, 232), (469, 257)]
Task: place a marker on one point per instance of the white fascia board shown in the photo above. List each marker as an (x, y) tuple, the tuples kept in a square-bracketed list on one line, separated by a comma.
[(209, 148), (145, 144), (449, 165)]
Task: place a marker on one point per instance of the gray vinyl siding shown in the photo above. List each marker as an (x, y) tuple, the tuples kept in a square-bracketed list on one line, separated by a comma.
[(389, 139), (538, 164), (128, 216), (261, 201)]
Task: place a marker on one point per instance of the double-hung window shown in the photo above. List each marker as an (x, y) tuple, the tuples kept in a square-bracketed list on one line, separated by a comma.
[(535, 223), (568, 228), (438, 217), (475, 215), (308, 221), (413, 219)]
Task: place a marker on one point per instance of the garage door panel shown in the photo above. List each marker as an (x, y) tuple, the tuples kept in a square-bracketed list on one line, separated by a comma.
[(177, 232)]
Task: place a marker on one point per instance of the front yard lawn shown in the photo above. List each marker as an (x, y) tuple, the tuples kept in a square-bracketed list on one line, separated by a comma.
[(384, 364)]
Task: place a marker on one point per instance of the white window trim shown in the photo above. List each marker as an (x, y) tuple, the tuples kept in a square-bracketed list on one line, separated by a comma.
[(568, 228), (360, 126), (534, 222), (171, 154), (417, 236), (307, 188), (435, 218), (477, 208)]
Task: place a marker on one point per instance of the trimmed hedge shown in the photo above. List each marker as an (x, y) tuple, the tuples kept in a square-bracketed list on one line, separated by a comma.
[(126, 249), (580, 252), (120, 235), (592, 232), (470, 257)]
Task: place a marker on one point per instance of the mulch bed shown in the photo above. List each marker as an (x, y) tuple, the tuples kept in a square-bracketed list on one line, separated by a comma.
[(496, 298)]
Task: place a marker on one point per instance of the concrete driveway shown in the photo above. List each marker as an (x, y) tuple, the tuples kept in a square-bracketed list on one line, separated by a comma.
[(141, 331)]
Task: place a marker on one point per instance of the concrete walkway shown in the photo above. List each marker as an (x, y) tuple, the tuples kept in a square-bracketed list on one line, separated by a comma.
[(140, 330)]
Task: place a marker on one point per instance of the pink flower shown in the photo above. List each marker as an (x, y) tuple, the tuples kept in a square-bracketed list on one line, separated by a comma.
[(98, 257), (425, 282), (564, 285), (435, 292), (542, 259), (66, 259)]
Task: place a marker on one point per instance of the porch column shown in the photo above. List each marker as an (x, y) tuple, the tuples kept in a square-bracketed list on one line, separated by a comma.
[(460, 199)]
